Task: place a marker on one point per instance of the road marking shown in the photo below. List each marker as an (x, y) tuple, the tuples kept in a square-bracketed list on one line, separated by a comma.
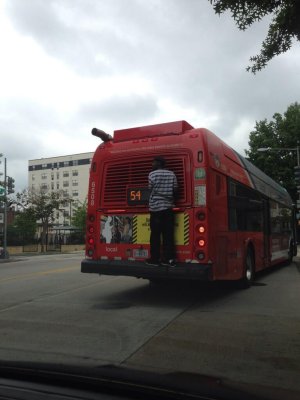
[(40, 273)]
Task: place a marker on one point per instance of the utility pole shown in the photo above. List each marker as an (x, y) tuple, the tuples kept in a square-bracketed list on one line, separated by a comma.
[(5, 213)]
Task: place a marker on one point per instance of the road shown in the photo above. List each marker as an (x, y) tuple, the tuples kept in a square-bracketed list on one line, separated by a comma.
[(51, 312)]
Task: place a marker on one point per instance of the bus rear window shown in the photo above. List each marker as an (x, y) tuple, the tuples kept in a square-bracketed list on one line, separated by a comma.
[(119, 177)]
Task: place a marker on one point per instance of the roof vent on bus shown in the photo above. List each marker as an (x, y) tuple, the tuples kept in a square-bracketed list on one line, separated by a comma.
[(169, 128), (101, 134)]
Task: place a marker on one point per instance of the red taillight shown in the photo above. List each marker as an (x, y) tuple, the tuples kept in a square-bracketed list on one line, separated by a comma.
[(201, 242), (90, 240), (201, 229)]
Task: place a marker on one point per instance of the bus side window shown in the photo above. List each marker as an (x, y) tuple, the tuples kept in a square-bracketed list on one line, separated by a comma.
[(245, 209), (281, 218), (232, 212)]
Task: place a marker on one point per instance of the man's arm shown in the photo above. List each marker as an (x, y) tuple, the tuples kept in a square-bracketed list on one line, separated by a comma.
[(150, 182)]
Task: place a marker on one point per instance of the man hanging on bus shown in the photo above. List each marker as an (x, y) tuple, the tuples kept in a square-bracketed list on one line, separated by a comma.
[(163, 186)]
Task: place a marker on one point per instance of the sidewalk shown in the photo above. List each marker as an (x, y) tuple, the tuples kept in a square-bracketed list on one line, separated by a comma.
[(23, 256)]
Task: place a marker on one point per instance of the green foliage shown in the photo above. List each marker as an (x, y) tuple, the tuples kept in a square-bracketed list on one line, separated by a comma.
[(281, 133), (284, 27), (23, 229), (79, 217), (42, 205)]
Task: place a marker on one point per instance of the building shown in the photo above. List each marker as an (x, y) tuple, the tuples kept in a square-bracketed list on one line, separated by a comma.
[(68, 173)]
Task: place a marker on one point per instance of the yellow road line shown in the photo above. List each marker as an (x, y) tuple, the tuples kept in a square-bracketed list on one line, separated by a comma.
[(41, 273)]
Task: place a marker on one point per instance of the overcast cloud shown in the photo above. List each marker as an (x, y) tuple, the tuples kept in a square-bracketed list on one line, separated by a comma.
[(69, 65)]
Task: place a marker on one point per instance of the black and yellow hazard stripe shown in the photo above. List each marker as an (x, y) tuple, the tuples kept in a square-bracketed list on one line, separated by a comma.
[(134, 229), (186, 225)]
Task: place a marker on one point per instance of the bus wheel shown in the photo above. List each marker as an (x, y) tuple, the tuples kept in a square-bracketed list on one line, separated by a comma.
[(248, 278), (291, 254)]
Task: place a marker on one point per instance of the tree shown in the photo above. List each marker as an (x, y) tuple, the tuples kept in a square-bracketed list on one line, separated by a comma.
[(283, 132), (79, 217), (284, 26), (42, 204), (23, 228)]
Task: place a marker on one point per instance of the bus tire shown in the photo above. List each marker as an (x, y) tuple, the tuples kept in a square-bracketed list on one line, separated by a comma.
[(291, 253), (249, 270)]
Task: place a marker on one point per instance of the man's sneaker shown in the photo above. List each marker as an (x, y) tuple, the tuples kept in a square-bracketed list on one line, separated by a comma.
[(150, 261), (168, 263)]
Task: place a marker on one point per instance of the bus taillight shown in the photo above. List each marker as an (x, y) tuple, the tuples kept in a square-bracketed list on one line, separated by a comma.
[(91, 241), (201, 229), (92, 218), (201, 216), (200, 255), (201, 242)]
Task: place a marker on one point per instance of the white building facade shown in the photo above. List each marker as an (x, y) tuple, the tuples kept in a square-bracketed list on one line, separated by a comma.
[(67, 173)]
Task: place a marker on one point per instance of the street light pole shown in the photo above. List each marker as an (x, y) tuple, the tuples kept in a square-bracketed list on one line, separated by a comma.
[(5, 212), (297, 149)]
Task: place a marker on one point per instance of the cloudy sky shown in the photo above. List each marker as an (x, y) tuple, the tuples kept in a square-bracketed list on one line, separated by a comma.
[(69, 65)]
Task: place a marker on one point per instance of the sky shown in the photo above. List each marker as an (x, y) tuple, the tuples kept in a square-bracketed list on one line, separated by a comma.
[(70, 65)]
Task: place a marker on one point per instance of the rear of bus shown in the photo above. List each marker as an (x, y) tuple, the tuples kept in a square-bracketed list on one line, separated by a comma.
[(118, 220)]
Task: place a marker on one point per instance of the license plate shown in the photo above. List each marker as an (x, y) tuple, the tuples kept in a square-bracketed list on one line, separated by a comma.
[(138, 253)]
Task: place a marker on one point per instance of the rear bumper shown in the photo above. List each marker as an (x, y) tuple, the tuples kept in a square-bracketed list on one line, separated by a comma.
[(141, 270)]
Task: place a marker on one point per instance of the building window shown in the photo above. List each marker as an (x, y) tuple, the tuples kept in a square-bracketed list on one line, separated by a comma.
[(33, 177), (75, 173), (44, 166), (66, 193), (52, 176), (75, 162), (44, 176), (57, 185), (75, 183), (66, 174), (57, 175), (66, 184), (75, 192), (66, 163), (52, 185)]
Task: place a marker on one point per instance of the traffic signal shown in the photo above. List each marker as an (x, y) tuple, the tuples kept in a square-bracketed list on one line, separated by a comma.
[(297, 174), (10, 185)]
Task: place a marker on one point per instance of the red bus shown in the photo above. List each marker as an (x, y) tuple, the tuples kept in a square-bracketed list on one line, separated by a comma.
[(231, 219)]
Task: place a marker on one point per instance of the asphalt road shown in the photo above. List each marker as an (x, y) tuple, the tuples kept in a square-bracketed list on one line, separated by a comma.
[(50, 312)]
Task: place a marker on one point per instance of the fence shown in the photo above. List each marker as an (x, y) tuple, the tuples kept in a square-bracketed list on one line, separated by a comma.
[(54, 241)]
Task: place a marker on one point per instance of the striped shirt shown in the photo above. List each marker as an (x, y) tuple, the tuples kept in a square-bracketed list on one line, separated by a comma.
[(163, 184)]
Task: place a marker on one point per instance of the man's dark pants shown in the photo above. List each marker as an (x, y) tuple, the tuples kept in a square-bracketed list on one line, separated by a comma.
[(162, 224)]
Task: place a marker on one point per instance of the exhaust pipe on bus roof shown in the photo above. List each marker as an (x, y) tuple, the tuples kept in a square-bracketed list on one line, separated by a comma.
[(101, 134)]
